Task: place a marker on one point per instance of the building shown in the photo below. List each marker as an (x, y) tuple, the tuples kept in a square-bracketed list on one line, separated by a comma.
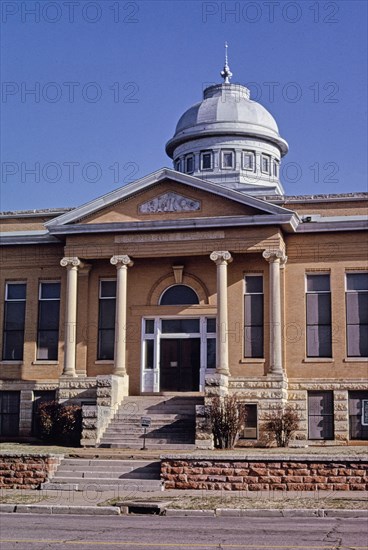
[(198, 280)]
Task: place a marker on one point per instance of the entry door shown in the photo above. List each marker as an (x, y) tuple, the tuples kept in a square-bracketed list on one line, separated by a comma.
[(179, 364)]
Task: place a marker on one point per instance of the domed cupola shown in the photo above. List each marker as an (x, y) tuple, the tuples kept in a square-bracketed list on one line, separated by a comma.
[(229, 139)]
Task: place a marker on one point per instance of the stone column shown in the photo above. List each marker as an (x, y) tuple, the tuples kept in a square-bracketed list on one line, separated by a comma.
[(122, 263), (72, 264), (222, 259), (276, 260)]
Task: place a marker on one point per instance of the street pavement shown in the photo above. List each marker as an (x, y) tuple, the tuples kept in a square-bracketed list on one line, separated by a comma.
[(25, 532)]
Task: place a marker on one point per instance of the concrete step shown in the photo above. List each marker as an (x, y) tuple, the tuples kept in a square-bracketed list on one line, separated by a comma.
[(105, 475), (154, 440), (113, 469), (96, 462), (150, 446), (136, 486)]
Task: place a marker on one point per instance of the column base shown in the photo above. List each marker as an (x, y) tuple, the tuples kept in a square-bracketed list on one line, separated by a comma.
[(69, 375)]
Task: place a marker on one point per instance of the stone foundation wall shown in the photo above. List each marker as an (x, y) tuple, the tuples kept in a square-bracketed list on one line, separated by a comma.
[(19, 471), (284, 473)]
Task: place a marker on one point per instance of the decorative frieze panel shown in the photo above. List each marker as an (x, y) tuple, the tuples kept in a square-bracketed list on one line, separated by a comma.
[(169, 202)]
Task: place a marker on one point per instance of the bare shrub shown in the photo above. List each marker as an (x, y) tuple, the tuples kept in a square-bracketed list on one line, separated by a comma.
[(281, 424), (227, 417)]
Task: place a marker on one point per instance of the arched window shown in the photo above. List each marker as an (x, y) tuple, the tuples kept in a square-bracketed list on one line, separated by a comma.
[(179, 295)]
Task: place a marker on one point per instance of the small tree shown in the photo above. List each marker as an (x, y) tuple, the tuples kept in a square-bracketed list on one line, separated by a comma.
[(60, 423), (227, 417), (282, 424)]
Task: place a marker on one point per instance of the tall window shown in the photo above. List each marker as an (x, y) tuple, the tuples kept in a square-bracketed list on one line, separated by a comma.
[(357, 314), (227, 159), (248, 160), (211, 343), (265, 164), (206, 160), (9, 412), (319, 341), (14, 315), (106, 320), (320, 415), (189, 164), (250, 426), (253, 316), (48, 320)]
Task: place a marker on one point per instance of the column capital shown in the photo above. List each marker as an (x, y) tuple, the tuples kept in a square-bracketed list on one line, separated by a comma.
[(121, 261), (220, 256), (272, 256), (71, 261)]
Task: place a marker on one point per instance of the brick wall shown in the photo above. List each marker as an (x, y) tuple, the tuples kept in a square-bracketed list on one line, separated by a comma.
[(26, 471), (276, 473)]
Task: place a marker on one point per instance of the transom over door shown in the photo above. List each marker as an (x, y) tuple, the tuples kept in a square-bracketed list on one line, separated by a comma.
[(179, 364)]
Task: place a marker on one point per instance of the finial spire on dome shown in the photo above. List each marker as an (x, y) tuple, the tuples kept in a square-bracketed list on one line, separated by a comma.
[(226, 73)]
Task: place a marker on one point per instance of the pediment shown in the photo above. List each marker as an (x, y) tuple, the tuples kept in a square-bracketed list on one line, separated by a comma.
[(167, 195)]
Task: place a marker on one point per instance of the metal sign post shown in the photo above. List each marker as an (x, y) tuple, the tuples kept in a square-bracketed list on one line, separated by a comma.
[(145, 423)]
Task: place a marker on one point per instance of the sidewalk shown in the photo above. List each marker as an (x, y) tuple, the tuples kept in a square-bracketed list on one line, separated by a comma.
[(187, 503)]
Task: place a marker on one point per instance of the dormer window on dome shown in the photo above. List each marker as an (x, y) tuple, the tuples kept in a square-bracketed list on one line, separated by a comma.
[(206, 160)]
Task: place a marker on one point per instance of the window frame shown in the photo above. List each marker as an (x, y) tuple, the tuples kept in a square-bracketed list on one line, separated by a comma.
[(40, 300), (276, 168), (178, 165), (307, 292), (226, 151), (202, 154), (252, 155), (261, 275), (268, 159), (99, 329), (322, 415), (347, 273), (242, 435), (186, 159), (8, 300)]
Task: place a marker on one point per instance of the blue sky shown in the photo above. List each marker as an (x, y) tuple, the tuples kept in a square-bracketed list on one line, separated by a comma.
[(111, 78)]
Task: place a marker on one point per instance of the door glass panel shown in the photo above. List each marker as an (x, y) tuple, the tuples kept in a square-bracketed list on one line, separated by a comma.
[(211, 353), (177, 326), (211, 325)]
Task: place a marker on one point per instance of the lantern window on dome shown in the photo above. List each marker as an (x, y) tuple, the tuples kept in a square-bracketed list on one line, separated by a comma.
[(249, 160), (206, 160), (189, 164), (276, 168), (227, 160), (265, 164), (177, 165)]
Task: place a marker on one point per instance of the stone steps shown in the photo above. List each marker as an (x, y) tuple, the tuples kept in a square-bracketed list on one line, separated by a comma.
[(172, 423), (126, 475)]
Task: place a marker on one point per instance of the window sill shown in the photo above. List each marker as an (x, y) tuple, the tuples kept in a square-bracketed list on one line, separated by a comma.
[(319, 360), (104, 362), (355, 360), (252, 360), (44, 362), (10, 362)]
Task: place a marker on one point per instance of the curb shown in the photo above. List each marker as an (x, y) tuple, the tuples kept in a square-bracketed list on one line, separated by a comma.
[(171, 512), (261, 512), (60, 509)]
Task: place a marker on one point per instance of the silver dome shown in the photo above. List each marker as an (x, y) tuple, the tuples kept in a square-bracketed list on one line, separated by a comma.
[(226, 109)]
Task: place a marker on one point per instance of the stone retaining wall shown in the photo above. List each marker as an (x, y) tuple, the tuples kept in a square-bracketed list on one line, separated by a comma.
[(28, 471), (285, 473)]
